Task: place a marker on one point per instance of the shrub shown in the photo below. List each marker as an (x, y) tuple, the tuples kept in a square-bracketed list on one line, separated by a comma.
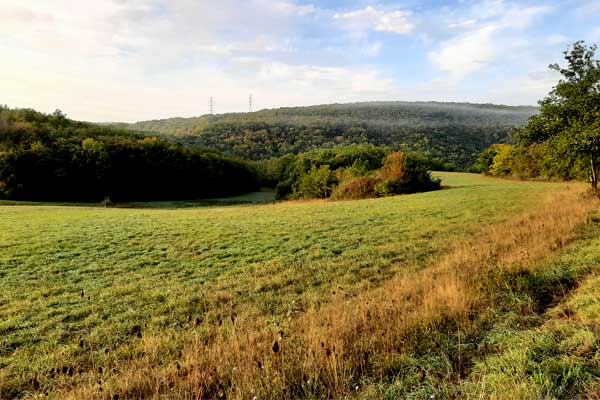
[(486, 158), (400, 173), (355, 188), (408, 173), (382, 189), (502, 162), (533, 161), (315, 184)]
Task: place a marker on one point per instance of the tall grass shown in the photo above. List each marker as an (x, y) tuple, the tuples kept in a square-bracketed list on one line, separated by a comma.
[(334, 350)]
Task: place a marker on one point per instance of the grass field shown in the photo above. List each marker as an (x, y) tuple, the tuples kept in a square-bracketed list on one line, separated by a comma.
[(83, 290)]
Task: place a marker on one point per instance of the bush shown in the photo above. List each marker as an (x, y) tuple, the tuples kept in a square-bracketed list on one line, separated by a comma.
[(355, 188), (503, 159), (343, 162), (408, 173), (315, 184), (528, 162), (401, 173)]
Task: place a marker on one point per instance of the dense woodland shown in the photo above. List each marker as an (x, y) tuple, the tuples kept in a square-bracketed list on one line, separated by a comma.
[(50, 157), (453, 133), (307, 152), (563, 140)]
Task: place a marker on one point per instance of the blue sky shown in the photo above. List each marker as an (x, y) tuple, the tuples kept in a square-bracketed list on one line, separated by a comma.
[(128, 60)]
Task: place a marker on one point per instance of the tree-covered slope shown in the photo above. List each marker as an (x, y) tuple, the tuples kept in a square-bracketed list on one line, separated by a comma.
[(50, 157), (453, 132)]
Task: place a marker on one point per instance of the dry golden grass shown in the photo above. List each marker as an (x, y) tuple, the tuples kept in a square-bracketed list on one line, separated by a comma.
[(326, 351)]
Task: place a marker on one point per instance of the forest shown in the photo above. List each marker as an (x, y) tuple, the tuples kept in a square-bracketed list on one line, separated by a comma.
[(49, 157), (52, 158), (452, 133)]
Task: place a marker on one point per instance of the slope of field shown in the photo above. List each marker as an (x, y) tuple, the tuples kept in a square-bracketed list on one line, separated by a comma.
[(453, 132), (552, 352), (89, 293)]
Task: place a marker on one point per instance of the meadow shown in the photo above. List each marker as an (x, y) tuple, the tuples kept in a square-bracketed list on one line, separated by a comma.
[(154, 300)]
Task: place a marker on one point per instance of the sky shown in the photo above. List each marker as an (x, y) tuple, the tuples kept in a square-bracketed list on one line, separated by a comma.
[(131, 60)]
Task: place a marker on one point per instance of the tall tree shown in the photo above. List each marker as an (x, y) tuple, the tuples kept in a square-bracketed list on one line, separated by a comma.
[(569, 120)]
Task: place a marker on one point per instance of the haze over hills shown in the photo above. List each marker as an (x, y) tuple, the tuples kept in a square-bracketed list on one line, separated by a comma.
[(455, 133)]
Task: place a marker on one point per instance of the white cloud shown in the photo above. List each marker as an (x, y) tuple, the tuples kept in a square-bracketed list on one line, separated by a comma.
[(372, 50), (286, 7), (347, 83), (595, 35), (370, 18), (466, 53), (114, 59), (486, 37), (556, 39), (588, 9), (139, 59), (463, 24)]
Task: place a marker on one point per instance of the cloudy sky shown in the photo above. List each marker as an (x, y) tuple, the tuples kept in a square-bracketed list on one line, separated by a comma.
[(128, 60)]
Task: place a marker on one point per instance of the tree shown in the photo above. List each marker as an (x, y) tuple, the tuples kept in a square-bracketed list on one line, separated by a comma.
[(315, 184), (503, 159), (569, 121)]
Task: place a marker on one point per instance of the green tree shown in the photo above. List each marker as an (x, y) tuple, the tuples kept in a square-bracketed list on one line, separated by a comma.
[(315, 184), (502, 162), (569, 121)]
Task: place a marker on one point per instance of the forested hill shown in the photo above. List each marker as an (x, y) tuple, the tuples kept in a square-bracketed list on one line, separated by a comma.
[(52, 158), (453, 132)]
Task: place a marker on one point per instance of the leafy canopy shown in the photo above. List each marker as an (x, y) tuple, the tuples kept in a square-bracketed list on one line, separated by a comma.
[(569, 120)]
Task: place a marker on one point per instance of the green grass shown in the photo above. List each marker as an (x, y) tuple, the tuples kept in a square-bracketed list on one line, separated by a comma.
[(78, 283), (252, 198), (553, 354)]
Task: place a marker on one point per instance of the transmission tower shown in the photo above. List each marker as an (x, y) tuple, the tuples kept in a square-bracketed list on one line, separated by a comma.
[(211, 105), (250, 103)]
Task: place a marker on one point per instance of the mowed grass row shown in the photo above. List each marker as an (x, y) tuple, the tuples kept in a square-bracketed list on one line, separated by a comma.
[(79, 283)]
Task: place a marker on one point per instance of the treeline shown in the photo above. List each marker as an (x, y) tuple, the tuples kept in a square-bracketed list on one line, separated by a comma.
[(453, 133), (536, 161), (352, 172), (50, 157), (563, 140)]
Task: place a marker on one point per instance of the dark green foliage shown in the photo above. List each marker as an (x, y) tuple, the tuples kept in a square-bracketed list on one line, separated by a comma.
[(486, 158), (316, 183), (49, 157), (453, 133), (292, 171), (352, 172)]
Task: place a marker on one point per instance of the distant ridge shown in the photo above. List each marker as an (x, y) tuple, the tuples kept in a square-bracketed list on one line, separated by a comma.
[(453, 132)]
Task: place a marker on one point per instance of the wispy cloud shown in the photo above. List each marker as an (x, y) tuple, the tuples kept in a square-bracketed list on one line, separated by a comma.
[(138, 59), (370, 18), (484, 37)]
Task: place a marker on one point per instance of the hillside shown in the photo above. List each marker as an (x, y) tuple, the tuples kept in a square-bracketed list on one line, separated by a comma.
[(400, 297), (453, 132), (49, 157)]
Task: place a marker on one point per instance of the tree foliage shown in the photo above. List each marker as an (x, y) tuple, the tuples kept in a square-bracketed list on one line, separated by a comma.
[(49, 157), (352, 172), (569, 121), (453, 133)]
